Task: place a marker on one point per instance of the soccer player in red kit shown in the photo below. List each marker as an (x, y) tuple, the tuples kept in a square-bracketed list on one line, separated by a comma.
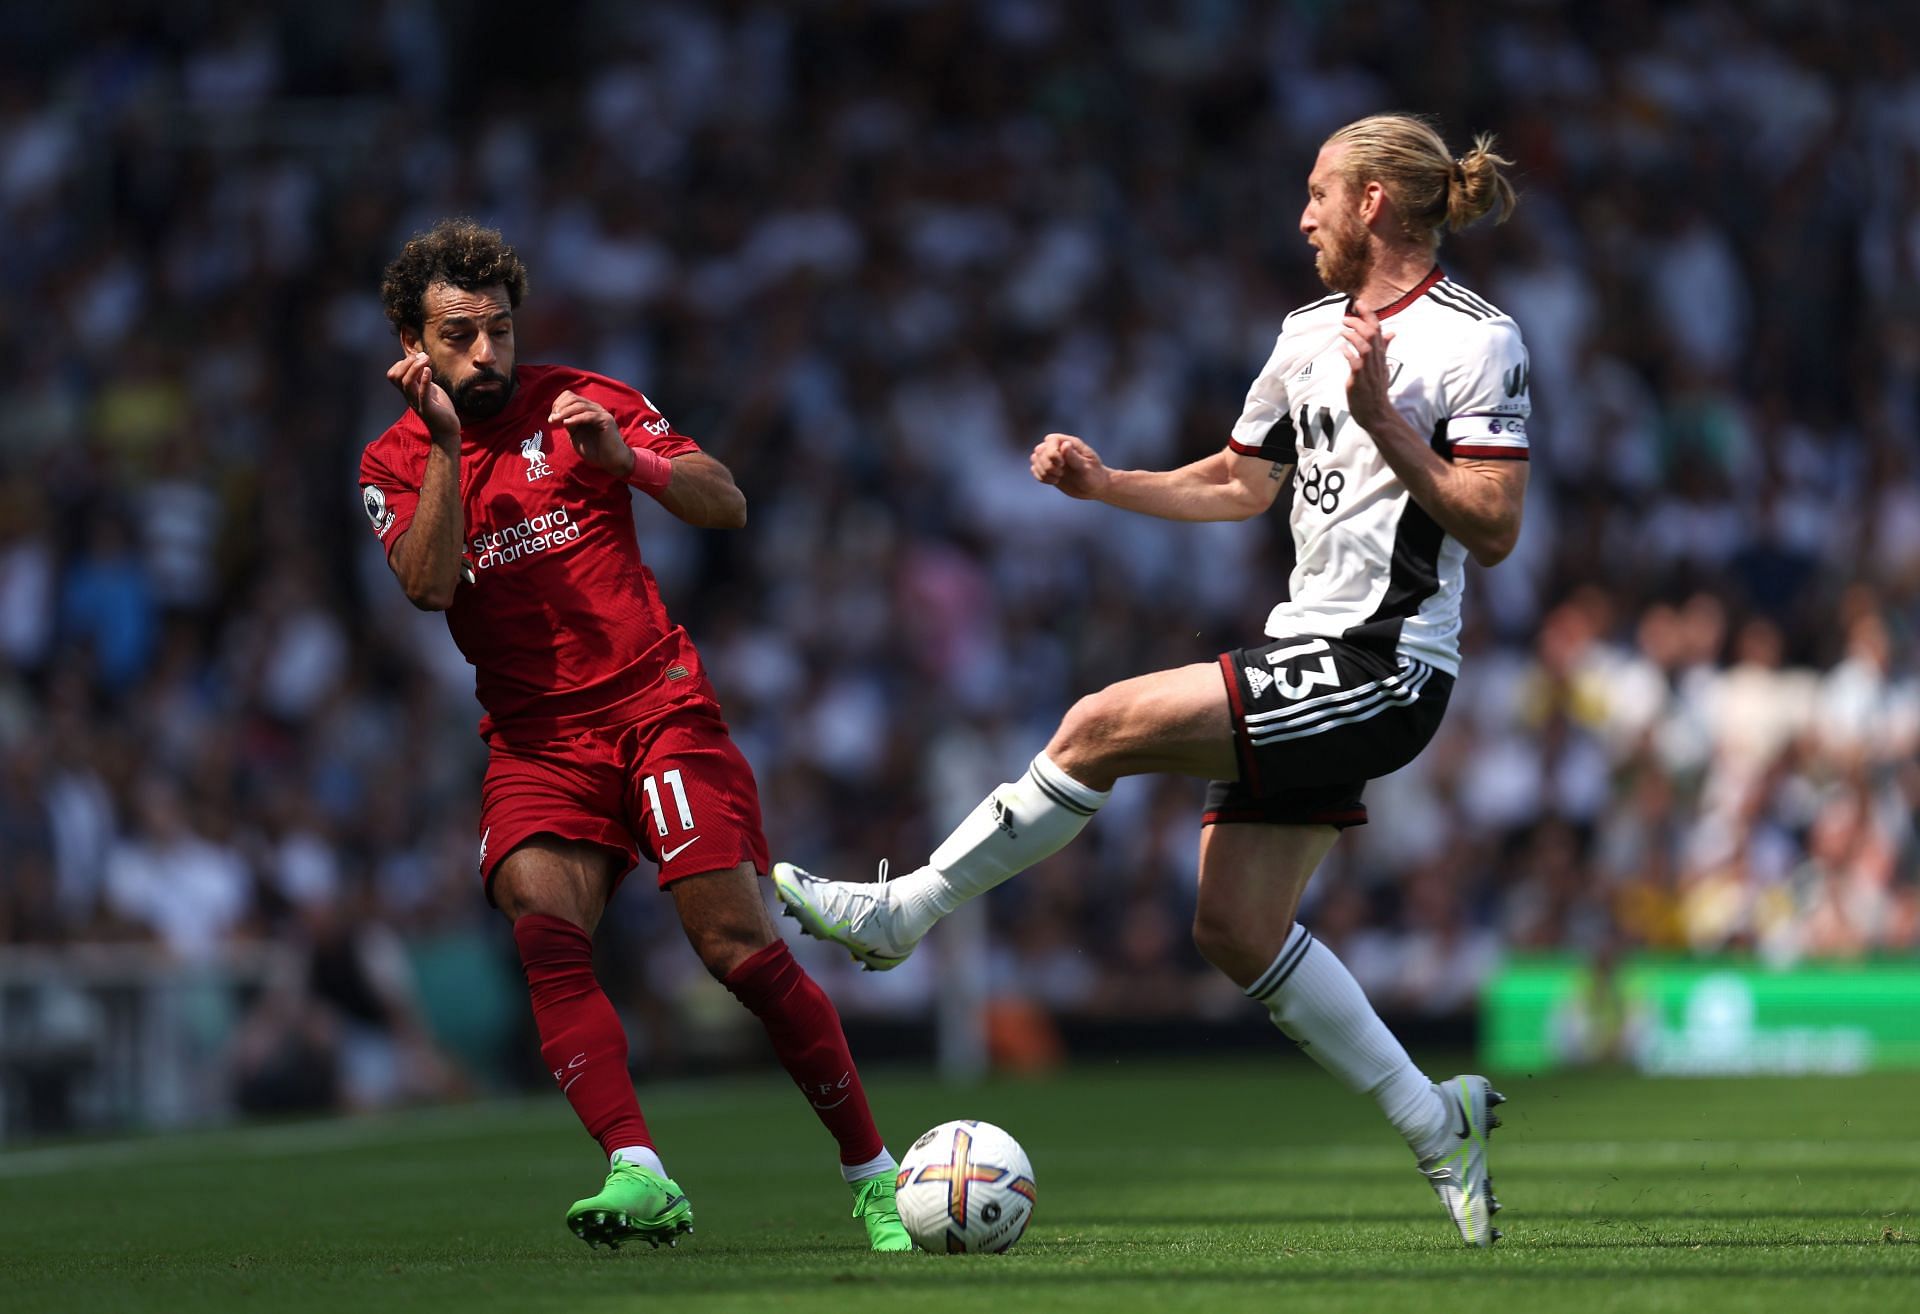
[(501, 496)]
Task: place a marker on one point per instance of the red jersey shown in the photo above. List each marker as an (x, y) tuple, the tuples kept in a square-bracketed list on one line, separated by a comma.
[(561, 620)]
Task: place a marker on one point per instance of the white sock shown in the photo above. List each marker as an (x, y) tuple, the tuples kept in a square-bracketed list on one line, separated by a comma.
[(1016, 825), (878, 1166), (1315, 1000), (640, 1156)]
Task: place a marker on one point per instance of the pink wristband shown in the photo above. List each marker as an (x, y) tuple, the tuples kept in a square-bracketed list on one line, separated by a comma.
[(651, 471)]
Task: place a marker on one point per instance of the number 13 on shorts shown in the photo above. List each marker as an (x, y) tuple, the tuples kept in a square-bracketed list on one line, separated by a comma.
[(1285, 684), (672, 780)]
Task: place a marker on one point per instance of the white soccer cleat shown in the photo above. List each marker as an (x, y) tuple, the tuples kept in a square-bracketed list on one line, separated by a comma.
[(856, 915), (1458, 1172)]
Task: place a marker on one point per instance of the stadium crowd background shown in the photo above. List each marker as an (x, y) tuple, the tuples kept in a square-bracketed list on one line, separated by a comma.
[(868, 253)]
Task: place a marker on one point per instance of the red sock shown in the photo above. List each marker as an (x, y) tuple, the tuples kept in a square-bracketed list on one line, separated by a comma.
[(580, 1034), (805, 1031)]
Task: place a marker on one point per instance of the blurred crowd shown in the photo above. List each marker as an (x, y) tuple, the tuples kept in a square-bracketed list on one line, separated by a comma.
[(867, 252)]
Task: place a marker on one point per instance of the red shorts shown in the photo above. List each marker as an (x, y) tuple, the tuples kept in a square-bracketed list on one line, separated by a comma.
[(674, 788)]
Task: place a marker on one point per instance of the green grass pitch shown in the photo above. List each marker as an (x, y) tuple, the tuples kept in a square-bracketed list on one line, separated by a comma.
[(1254, 1185)]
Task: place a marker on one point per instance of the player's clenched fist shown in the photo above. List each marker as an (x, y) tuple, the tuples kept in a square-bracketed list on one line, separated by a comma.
[(412, 374), (594, 431), (1071, 466)]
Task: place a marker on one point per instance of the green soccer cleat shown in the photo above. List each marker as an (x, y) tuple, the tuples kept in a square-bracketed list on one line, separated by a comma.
[(1457, 1170), (635, 1202), (857, 916), (873, 1205)]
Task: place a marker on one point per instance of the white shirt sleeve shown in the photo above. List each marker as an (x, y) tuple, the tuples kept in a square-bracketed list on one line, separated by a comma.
[(1265, 429), (1487, 398)]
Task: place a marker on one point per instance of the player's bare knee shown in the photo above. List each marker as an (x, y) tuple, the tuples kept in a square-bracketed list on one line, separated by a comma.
[(1089, 738), (724, 948), (1213, 935), (1223, 939), (517, 904), (522, 891), (509, 896)]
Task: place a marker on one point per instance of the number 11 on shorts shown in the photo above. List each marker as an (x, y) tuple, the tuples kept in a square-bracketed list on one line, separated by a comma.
[(672, 779)]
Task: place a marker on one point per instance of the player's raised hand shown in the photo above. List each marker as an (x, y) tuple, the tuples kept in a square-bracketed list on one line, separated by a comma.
[(1366, 351), (412, 374), (1071, 466), (594, 432)]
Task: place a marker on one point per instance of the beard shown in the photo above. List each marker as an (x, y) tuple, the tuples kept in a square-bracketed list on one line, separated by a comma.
[(474, 400), (1344, 259)]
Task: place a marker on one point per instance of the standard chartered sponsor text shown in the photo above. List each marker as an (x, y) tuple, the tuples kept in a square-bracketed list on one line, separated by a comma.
[(501, 547)]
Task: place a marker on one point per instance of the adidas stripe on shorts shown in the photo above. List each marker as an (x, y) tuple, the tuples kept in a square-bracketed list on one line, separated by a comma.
[(1314, 720)]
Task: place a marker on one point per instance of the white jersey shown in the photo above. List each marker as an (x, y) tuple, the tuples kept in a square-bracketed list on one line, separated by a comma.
[(1371, 565)]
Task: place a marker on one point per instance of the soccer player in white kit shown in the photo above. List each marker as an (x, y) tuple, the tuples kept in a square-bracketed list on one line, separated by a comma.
[(1398, 408)]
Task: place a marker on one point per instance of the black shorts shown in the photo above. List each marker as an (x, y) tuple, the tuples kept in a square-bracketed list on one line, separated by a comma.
[(1313, 721)]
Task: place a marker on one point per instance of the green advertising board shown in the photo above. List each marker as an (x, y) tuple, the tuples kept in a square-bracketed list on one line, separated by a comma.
[(1701, 1017)]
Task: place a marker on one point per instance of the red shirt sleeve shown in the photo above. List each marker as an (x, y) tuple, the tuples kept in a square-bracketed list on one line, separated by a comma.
[(641, 424), (389, 500)]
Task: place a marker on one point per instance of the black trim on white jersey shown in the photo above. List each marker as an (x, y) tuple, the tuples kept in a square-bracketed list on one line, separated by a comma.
[(1440, 298), (1284, 453), (1313, 305), (1289, 452), (1413, 578), (1468, 295)]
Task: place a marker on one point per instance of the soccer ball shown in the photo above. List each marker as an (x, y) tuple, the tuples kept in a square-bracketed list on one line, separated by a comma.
[(965, 1188)]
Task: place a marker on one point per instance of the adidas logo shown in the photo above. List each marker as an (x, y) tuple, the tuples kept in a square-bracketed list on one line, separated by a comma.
[(1258, 680), (1305, 373), (1003, 818)]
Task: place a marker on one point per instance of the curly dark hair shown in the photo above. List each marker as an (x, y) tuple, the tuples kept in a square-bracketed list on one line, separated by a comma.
[(457, 251)]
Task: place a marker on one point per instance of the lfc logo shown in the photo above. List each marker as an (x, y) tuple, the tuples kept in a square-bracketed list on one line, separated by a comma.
[(537, 467)]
